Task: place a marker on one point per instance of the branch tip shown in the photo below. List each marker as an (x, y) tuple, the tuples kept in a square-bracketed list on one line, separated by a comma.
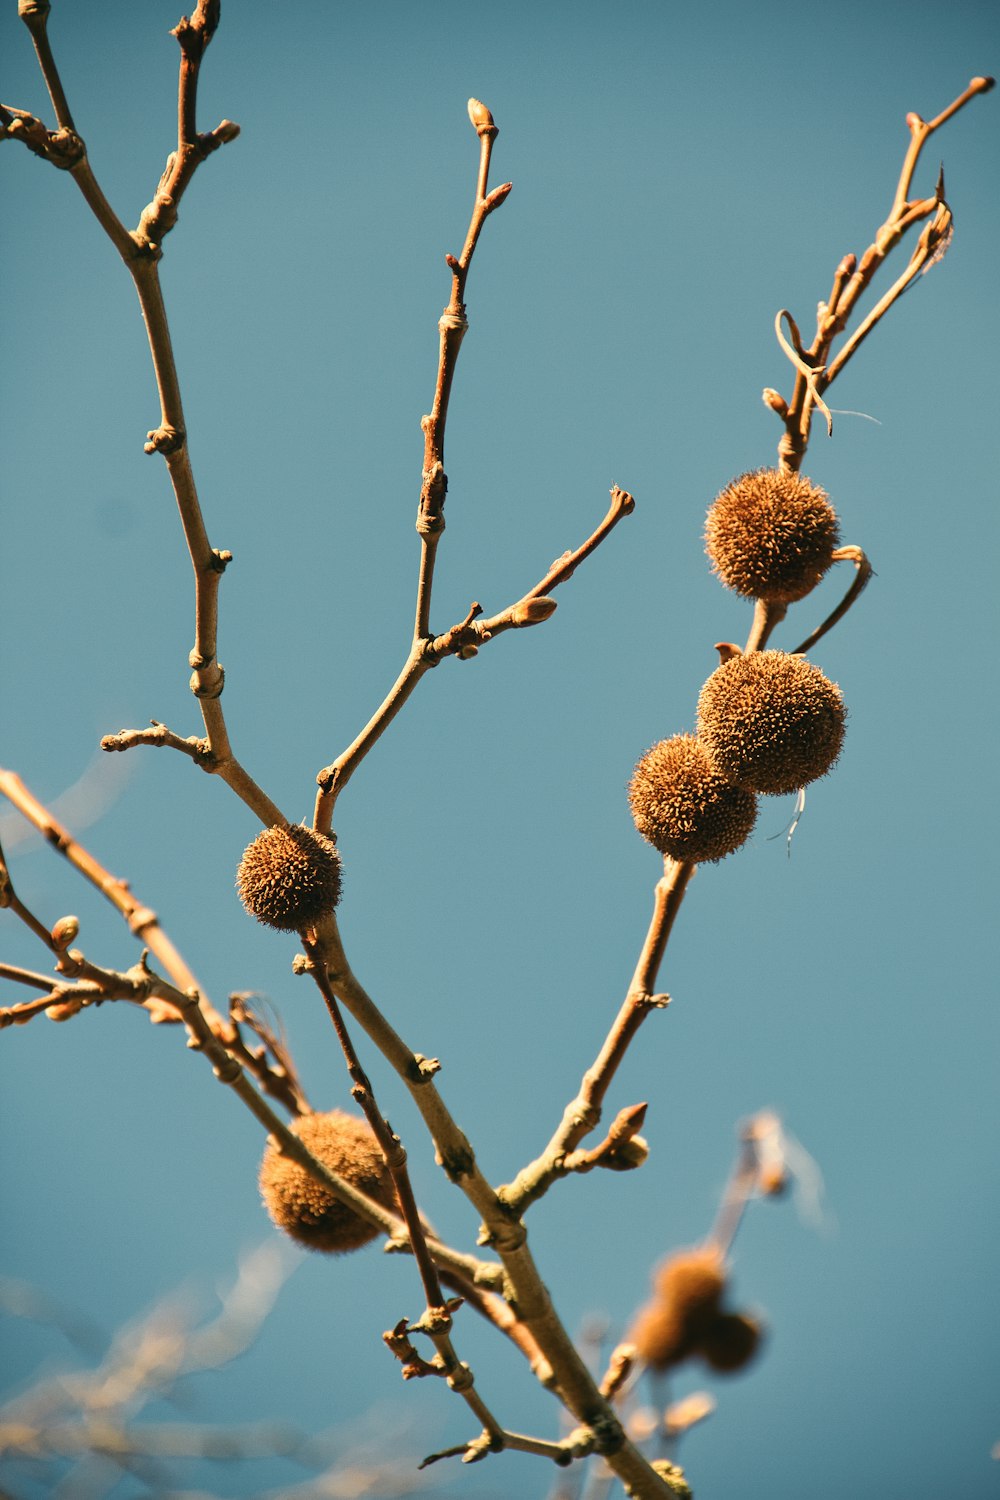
[(480, 117)]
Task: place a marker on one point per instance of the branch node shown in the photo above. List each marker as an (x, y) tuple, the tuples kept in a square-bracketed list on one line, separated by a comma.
[(65, 932), (165, 439), (208, 690), (423, 1068)]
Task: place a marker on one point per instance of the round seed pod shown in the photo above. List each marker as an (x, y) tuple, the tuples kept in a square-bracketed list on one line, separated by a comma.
[(289, 877), (731, 1342), (659, 1336), (687, 1290), (771, 722), (692, 1283), (771, 535), (303, 1207), (684, 807)]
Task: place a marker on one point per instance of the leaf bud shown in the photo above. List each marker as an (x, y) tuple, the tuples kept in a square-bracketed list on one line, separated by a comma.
[(65, 932), (480, 116), (533, 611)]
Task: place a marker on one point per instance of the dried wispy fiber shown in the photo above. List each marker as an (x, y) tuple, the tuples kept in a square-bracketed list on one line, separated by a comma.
[(771, 722), (289, 877), (307, 1210), (731, 1342), (684, 807), (771, 535)]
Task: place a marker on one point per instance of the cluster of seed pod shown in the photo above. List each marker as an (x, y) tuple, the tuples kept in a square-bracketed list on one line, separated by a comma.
[(686, 1317), (768, 722)]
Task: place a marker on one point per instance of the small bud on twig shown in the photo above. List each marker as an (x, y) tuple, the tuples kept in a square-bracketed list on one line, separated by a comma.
[(64, 933), (494, 199), (533, 611), (480, 116)]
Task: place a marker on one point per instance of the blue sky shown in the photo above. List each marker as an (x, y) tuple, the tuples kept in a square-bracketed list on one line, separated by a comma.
[(679, 175)]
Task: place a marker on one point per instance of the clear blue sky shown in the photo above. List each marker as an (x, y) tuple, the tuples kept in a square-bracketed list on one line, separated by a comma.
[(679, 174)]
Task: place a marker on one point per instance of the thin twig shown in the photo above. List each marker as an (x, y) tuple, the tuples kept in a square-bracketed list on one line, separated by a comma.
[(141, 251), (583, 1113), (462, 639), (35, 15), (815, 370), (863, 573), (142, 921), (159, 736)]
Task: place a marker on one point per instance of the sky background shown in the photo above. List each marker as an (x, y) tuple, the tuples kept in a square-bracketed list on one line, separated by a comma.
[(680, 173)]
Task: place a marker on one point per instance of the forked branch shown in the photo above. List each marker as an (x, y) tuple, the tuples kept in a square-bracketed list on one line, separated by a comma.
[(815, 369)]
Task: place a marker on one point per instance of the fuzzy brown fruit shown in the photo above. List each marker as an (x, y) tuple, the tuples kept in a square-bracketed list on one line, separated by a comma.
[(684, 807), (731, 1342), (688, 1288), (771, 535), (289, 877), (771, 722), (303, 1207)]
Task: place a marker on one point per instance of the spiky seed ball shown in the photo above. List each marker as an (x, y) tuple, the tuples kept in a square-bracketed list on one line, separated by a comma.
[(731, 1342), (303, 1207), (771, 722), (771, 535), (289, 877), (682, 805)]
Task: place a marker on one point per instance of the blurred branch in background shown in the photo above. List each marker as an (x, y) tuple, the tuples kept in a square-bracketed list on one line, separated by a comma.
[(77, 1432)]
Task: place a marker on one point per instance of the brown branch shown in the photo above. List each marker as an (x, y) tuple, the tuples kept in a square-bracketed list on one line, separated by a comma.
[(159, 736), (498, 1312), (434, 486), (462, 640), (140, 985), (534, 607), (142, 920), (390, 1144), (579, 1444), (583, 1113), (863, 574), (332, 779), (35, 15), (815, 370), (436, 1320), (140, 252), (280, 1079), (17, 975), (452, 328), (756, 1141), (10, 901), (502, 1231)]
